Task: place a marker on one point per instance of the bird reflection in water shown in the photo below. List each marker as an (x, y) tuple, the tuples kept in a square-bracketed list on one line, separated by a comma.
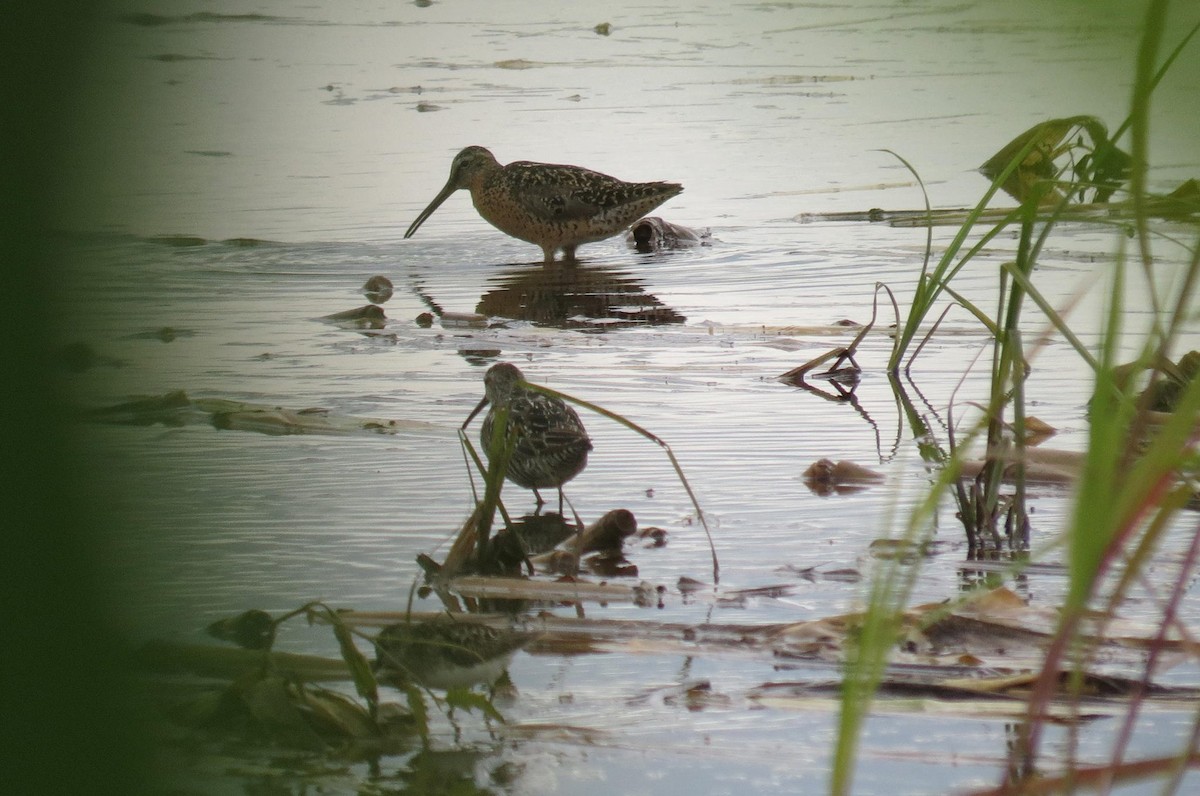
[(574, 296)]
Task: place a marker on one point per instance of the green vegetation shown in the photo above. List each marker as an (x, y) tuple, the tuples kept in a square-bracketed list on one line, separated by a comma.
[(1139, 469)]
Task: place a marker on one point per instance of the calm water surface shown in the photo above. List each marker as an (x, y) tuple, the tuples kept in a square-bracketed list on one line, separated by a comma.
[(321, 131)]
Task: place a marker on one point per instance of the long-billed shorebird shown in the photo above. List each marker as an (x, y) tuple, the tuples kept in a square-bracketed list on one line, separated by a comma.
[(445, 652), (556, 207), (549, 443)]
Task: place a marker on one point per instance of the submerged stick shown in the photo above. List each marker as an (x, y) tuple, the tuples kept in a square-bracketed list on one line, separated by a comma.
[(844, 353)]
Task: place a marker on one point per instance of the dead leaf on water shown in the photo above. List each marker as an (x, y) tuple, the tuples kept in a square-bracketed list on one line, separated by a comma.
[(817, 638)]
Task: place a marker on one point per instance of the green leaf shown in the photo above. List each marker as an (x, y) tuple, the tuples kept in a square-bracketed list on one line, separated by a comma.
[(418, 709), (472, 700), (360, 667)]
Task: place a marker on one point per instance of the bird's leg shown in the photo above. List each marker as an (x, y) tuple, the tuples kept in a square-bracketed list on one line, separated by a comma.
[(548, 253), (569, 254), (540, 501)]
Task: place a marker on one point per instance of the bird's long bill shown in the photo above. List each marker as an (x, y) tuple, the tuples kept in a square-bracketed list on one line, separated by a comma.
[(482, 403), (442, 196)]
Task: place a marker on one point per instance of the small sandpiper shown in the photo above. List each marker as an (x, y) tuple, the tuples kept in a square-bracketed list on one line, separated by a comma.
[(550, 444), (445, 652), (553, 206)]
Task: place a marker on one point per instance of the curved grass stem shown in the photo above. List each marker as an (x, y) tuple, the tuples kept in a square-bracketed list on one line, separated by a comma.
[(600, 410)]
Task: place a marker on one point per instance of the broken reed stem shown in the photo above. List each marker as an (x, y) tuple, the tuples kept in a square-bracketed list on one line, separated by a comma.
[(843, 353)]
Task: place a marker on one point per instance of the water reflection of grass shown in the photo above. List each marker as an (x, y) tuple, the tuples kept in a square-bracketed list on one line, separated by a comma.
[(1134, 481)]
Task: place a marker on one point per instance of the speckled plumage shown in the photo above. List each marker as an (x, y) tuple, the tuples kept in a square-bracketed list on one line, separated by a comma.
[(550, 444), (445, 652), (553, 206)]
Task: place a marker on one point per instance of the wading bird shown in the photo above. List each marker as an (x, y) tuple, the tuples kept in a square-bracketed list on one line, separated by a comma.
[(549, 443), (556, 207)]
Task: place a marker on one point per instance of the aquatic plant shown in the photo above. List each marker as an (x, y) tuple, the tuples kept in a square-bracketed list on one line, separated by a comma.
[(1133, 483), (267, 697)]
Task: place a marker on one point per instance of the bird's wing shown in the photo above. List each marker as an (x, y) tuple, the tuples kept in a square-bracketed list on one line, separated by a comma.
[(565, 193), (549, 430)]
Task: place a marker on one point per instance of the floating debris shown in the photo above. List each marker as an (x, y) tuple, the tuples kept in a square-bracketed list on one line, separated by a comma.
[(1040, 465), (824, 477), (607, 534), (368, 316), (164, 334), (170, 409), (175, 408), (378, 289), (472, 320), (655, 234)]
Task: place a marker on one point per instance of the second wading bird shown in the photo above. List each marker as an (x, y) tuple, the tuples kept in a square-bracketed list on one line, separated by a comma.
[(553, 206), (445, 653), (549, 443)]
